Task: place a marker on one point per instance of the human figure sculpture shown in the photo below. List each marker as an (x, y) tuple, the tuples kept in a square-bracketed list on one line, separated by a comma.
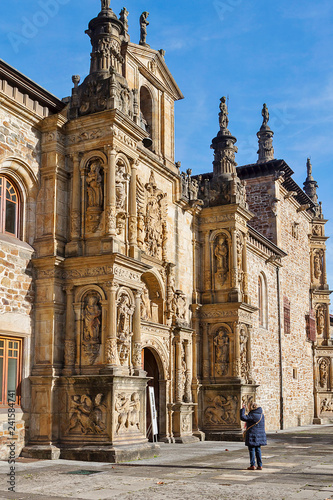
[(224, 120), (221, 343), (145, 305), (143, 27), (124, 17), (320, 321), (94, 186), (92, 324), (317, 265), (105, 4), (265, 115), (221, 254)]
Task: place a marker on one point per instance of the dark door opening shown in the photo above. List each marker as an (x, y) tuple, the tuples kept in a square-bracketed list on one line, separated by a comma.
[(151, 367)]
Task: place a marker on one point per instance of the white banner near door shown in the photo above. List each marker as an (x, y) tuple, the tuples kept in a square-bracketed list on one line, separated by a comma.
[(153, 411)]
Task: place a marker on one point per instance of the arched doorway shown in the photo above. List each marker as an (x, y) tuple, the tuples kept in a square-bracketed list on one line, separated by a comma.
[(152, 368)]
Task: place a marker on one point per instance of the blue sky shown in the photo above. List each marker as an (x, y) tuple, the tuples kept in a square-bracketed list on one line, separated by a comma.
[(253, 51)]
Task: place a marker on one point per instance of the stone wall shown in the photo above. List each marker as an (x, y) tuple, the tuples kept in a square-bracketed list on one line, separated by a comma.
[(260, 195)]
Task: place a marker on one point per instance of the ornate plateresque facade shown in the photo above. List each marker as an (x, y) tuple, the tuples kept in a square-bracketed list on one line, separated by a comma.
[(120, 271)]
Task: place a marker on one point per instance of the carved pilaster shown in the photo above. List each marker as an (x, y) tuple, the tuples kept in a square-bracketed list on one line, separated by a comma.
[(111, 352), (69, 353), (111, 219)]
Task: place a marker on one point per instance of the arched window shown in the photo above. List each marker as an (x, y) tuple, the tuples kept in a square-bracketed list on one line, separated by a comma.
[(9, 207), (262, 301), (146, 112)]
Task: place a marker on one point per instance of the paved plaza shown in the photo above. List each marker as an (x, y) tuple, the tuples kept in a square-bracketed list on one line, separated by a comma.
[(298, 464)]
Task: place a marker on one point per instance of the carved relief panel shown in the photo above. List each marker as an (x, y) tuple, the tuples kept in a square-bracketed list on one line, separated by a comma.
[(87, 414), (122, 183), (221, 409), (127, 412)]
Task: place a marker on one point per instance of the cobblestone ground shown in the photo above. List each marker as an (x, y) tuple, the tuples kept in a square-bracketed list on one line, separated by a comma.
[(297, 465)]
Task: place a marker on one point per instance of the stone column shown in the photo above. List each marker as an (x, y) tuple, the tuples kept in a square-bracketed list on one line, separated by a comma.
[(245, 279), (188, 374), (111, 220), (179, 371), (111, 352), (75, 219), (249, 353), (234, 270), (77, 312), (324, 269), (137, 340), (69, 353), (237, 371), (205, 351), (133, 220)]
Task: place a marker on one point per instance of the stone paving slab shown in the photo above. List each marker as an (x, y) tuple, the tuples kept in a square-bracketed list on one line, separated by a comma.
[(210, 470)]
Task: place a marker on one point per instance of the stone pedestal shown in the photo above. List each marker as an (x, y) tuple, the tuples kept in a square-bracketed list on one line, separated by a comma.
[(182, 423), (98, 418)]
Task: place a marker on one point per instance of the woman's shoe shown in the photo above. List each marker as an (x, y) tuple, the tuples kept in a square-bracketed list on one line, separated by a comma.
[(259, 468), (252, 467)]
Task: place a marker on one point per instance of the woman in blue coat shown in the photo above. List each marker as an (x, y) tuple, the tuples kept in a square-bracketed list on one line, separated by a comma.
[(255, 436)]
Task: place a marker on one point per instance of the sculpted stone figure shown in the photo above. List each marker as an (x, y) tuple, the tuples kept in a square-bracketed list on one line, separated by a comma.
[(320, 320), (318, 264), (221, 254), (223, 116), (145, 304), (124, 17), (87, 414), (143, 28), (223, 410), (94, 186), (221, 343), (92, 324), (124, 316), (323, 373), (105, 4), (265, 115)]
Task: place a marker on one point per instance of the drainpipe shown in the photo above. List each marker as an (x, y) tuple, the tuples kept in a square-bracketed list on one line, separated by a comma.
[(280, 346)]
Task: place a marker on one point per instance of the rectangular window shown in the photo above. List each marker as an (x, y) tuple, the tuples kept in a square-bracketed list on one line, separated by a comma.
[(286, 315), (10, 369)]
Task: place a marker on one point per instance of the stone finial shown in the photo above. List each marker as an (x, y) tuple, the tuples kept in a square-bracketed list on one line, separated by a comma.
[(223, 115), (310, 185), (224, 146), (105, 4), (123, 16), (143, 28), (76, 80), (265, 138)]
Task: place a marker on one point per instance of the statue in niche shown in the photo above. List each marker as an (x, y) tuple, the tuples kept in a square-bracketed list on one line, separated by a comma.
[(143, 28), (179, 305), (120, 187), (317, 230), (145, 304), (318, 264), (323, 373), (221, 254), (94, 185), (265, 115), (125, 312), (91, 327), (221, 343), (223, 116), (320, 320), (92, 323)]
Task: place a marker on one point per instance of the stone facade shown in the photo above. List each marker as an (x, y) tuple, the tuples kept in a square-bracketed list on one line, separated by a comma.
[(125, 271)]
